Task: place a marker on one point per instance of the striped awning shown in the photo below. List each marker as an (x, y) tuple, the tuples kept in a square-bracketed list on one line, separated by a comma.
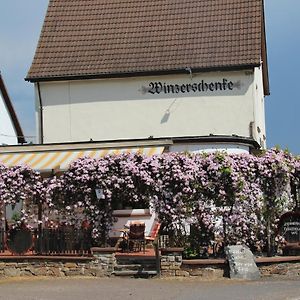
[(61, 159)]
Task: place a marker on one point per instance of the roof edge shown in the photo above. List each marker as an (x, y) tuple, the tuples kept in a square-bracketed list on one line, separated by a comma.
[(130, 143), (11, 110), (219, 139), (264, 54), (84, 145), (141, 73)]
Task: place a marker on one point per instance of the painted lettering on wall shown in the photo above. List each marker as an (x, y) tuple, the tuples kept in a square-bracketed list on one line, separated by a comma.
[(158, 87)]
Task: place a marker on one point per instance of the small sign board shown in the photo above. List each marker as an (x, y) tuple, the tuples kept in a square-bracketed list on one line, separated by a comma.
[(241, 263), (289, 228)]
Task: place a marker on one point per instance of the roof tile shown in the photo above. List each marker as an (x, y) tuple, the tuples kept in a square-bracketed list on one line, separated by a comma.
[(98, 37)]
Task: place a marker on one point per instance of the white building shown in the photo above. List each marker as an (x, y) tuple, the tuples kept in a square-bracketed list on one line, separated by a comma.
[(10, 129), (188, 71), (148, 76)]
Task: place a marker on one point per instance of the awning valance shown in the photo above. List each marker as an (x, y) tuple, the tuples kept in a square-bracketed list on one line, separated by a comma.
[(61, 159)]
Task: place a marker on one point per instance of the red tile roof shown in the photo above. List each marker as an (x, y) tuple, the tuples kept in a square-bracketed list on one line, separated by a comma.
[(115, 37)]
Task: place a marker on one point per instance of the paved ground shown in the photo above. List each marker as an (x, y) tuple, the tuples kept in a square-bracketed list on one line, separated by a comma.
[(156, 289)]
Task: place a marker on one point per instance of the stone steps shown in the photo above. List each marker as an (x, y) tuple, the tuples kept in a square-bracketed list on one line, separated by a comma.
[(136, 261), (135, 273), (133, 267), (137, 267)]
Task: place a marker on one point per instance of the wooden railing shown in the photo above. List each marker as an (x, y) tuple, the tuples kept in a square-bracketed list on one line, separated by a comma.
[(46, 241), (63, 240)]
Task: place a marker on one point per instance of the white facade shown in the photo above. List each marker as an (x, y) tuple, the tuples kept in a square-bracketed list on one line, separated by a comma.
[(186, 105), (259, 126), (8, 134)]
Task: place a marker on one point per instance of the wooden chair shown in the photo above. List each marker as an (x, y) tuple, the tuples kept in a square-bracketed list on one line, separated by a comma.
[(153, 234), (136, 236)]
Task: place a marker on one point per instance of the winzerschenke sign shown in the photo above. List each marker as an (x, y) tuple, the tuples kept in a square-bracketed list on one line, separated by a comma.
[(158, 87)]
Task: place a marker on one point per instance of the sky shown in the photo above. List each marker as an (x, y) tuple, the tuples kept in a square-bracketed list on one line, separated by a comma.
[(21, 23)]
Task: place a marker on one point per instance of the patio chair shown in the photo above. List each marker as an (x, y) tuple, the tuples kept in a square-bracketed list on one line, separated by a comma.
[(153, 234), (136, 236)]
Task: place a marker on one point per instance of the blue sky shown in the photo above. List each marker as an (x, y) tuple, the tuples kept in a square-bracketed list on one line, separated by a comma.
[(21, 22)]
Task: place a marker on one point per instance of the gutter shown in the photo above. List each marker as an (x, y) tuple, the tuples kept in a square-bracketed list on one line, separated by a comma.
[(218, 139), (128, 143), (41, 119), (104, 75)]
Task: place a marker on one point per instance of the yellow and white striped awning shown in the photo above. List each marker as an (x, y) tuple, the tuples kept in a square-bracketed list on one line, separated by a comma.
[(61, 159)]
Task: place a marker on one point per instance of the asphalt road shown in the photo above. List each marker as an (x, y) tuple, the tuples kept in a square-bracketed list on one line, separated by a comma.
[(156, 289)]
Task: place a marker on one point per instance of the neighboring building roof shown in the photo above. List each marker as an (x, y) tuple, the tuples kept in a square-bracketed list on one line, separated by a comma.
[(97, 38), (10, 108)]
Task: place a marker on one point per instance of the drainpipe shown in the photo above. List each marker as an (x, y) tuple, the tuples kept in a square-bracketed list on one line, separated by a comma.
[(41, 119)]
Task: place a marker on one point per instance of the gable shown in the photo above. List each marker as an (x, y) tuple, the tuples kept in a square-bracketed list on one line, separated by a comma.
[(128, 37)]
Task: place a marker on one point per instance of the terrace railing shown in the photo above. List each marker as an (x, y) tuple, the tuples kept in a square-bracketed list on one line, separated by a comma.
[(62, 240)]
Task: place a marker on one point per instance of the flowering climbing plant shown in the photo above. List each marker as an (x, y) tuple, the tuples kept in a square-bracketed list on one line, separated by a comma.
[(172, 189), (122, 178), (222, 202), (236, 198), (21, 184)]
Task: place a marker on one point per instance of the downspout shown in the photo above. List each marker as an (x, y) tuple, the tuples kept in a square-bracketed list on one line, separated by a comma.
[(41, 119)]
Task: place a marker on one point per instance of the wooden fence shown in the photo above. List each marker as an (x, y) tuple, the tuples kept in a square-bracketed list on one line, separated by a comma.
[(46, 241), (63, 240)]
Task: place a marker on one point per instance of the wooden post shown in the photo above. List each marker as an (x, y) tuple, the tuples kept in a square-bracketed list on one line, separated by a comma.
[(269, 250), (157, 257), (40, 229), (269, 218), (225, 232), (2, 228)]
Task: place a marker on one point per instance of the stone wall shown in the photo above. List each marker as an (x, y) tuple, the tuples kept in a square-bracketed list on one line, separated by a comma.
[(100, 265), (173, 265), (48, 268), (170, 263), (103, 261), (206, 271), (291, 269)]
